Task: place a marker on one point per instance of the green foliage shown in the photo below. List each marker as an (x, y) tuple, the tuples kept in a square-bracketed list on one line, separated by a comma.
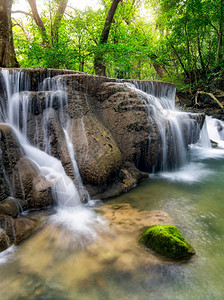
[(177, 41)]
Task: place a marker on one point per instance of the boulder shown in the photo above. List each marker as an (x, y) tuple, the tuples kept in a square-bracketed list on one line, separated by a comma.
[(40, 195), (7, 223), (167, 241), (24, 227), (126, 114), (111, 124), (17, 229), (97, 153), (10, 206), (10, 153)]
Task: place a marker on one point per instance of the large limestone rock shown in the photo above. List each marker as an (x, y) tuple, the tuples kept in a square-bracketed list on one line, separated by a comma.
[(112, 126)]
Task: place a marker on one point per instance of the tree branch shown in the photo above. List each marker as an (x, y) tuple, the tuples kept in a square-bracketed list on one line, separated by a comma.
[(23, 29), (209, 94), (59, 15), (22, 12), (38, 21)]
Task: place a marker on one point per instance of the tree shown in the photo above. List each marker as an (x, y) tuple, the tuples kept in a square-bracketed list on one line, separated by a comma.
[(99, 66), (44, 46), (192, 34), (7, 52)]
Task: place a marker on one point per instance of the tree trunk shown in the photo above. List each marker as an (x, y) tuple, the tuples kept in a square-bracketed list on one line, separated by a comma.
[(99, 67), (220, 34), (180, 61), (7, 52), (57, 20), (39, 22)]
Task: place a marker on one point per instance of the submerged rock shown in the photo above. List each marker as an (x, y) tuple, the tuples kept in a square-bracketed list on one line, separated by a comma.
[(24, 227), (167, 241)]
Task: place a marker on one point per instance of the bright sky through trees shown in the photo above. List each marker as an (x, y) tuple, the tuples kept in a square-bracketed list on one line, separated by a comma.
[(22, 4)]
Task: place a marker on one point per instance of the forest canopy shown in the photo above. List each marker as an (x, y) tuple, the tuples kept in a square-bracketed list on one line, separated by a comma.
[(179, 41)]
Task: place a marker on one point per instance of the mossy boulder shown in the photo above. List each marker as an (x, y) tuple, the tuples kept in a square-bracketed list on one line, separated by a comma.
[(167, 241)]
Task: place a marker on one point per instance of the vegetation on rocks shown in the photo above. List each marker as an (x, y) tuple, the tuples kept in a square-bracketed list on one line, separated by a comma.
[(167, 241)]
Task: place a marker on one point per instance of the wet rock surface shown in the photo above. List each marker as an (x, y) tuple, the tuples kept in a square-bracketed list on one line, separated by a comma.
[(10, 153), (10, 206), (4, 240), (17, 229)]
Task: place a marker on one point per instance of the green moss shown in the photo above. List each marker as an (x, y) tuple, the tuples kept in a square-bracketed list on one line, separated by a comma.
[(167, 241)]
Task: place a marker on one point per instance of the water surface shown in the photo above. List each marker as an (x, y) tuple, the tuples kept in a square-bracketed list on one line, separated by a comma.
[(53, 264)]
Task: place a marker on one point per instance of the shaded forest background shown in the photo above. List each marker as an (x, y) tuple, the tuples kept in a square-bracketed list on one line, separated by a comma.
[(176, 41)]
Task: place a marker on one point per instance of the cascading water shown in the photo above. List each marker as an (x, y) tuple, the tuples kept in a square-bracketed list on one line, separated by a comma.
[(174, 129), (173, 135), (71, 215), (17, 109)]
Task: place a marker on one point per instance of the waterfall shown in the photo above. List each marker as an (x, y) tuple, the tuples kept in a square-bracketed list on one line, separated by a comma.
[(174, 129), (17, 107), (41, 118), (77, 225)]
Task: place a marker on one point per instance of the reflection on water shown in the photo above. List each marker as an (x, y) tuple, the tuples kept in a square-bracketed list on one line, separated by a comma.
[(111, 265)]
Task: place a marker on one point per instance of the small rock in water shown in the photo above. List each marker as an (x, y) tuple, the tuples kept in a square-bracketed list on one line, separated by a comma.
[(214, 144), (167, 241)]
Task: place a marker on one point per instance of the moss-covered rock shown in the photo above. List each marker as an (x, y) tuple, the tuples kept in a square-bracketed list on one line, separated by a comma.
[(167, 241)]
